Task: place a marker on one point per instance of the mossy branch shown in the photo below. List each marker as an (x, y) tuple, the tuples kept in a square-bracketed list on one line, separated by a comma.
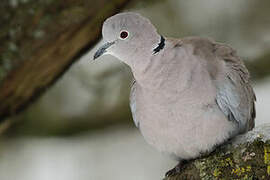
[(244, 157)]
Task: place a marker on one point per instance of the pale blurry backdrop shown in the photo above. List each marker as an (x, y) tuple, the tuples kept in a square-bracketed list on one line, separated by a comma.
[(82, 129)]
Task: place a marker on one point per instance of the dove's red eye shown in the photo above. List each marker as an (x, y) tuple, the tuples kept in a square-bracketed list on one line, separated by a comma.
[(123, 34)]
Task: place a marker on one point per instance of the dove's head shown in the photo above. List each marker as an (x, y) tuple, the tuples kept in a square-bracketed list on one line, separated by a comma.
[(129, 37)]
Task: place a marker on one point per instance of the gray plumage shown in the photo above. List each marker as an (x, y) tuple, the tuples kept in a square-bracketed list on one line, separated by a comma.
[(190, 95)]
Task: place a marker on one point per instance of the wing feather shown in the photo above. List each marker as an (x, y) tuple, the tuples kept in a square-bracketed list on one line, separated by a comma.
[(132, 100), (235, 96)]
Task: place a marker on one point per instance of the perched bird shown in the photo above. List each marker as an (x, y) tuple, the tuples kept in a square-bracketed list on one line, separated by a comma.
[(189, 95)]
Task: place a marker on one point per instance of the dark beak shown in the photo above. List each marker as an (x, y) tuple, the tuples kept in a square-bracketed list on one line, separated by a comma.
[(102, 49)]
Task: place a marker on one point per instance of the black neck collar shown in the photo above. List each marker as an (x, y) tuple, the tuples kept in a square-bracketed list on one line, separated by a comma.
[(160, 46)]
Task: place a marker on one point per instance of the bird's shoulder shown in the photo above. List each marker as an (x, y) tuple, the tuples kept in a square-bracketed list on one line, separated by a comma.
[(205, 47), (214, 53)]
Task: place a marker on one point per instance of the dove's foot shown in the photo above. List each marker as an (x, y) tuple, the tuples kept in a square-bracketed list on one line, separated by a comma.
[(177, 169)]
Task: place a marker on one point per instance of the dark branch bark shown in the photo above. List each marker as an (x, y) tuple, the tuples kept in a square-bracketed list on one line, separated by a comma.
[(39, 42), (245, 157)]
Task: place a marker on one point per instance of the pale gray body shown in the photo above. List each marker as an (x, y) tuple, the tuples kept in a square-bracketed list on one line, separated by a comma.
[(187, 111), (189, 94)]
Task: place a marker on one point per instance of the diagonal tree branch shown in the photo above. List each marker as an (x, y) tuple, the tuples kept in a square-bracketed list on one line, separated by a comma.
[(39, 42)]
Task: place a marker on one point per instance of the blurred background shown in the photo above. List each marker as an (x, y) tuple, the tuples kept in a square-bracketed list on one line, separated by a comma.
[(81, 128)]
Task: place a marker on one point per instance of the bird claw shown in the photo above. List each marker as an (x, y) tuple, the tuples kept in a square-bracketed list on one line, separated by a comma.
[(176, 170), (172, 172)]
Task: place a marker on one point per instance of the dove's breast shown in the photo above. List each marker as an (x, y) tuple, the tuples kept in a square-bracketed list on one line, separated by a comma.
[(182, 122)]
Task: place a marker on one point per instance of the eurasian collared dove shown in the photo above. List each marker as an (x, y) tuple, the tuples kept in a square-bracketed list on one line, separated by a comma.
[(189, 95)]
